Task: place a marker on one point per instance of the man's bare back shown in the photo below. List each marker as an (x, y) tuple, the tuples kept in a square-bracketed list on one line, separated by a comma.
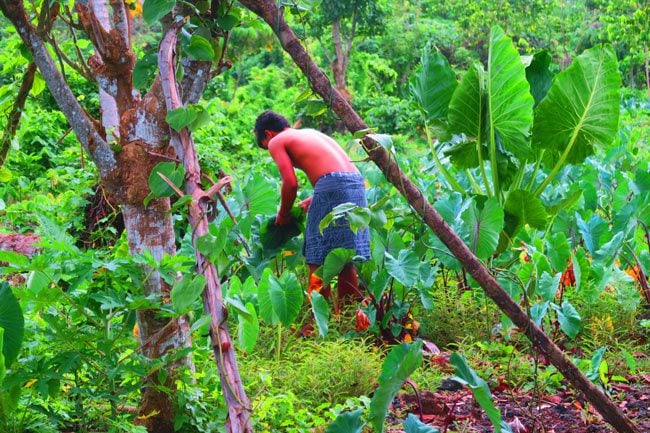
[(310, 151)]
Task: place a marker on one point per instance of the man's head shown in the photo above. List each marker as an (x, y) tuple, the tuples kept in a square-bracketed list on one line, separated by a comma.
[(269, 121)]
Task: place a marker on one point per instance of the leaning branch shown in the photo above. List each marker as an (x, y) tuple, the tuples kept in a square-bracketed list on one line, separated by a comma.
[(231, 383), (269, 12)]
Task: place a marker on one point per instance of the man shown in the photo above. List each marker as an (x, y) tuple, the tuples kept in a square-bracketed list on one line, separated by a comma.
[(335, 180)]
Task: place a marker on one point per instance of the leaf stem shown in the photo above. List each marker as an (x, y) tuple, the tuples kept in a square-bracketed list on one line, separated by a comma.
[(450, 179), (475, 186), (559, 164)]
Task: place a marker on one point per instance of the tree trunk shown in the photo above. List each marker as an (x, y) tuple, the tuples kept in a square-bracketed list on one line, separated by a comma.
[(138, 129), (151, 229), (268, 11)]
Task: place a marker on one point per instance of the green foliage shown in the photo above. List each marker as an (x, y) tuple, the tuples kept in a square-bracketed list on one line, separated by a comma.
[(400, 362), (467, 376), (12, 324)]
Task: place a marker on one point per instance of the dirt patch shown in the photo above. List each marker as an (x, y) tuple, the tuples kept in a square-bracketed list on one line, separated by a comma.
[(563, 412)]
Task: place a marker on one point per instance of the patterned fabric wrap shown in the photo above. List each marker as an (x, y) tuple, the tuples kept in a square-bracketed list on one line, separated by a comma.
[(331, 190)]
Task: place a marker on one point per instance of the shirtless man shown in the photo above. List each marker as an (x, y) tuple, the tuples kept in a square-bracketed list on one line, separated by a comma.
[(335, 180)]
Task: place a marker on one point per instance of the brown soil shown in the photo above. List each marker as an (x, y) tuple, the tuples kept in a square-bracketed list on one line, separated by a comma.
[(563, 412)]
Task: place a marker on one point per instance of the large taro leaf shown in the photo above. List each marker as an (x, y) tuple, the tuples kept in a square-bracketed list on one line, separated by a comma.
[(523, 208), (321, 310), (397, 367), (347, 422), (509, 102), (483, 227), (405, 268), (539, 76), (580, 110), (13, 323), (467, 376), (414, 425), (285, 295), (434, 85), (466, 112)]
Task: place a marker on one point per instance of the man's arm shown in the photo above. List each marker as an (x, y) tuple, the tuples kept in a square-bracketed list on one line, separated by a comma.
[(289, 181)]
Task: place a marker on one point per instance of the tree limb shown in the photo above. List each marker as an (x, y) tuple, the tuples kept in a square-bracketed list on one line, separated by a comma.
[(232, 387), (268, 11)]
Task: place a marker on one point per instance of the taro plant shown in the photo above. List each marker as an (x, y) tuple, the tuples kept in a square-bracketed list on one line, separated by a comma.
[(510, 128)]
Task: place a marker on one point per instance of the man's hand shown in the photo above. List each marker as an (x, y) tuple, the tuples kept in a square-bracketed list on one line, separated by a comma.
[(281, 219), (305, 204)]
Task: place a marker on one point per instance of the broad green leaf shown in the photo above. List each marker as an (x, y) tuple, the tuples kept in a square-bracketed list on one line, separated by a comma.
[(347, 422), (264, 298), (12, 258), (334, 263), (405, 268), (606, 254), (558, 251), (186, 291), (569, 319), (259, 196), (591, 230), (538, 312), (414, 425), (434, 85), (483, 227), (596, 360), (522, 208), (466, 108), (13, 323), (172, 171), (400, 363), (181, 117), (548, 285), (580, 110), (154, 10), (285, 295), (539, 76), (509, 102), (145, 70), (228, 22), (385, 140), (200, 48), (321, 312), (37, 281), (38, 86), (3, 367), (248, 329), (467, 376)]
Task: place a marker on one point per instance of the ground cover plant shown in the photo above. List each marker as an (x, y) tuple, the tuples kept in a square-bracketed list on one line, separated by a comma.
[(535, 156)]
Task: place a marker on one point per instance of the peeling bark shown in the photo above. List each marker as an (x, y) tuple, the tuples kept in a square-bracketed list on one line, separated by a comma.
[(268, 11), (236, 400)]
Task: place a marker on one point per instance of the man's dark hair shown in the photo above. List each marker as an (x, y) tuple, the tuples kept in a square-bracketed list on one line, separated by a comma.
[(269, 121)]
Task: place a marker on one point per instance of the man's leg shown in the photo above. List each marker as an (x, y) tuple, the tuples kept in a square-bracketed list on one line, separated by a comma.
[(348, 284)]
